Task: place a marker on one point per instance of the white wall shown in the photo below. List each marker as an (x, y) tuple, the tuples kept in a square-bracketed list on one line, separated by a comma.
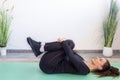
[(46, 20)]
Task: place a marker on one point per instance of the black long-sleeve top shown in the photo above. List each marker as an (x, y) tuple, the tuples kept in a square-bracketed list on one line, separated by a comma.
[(67, 62)]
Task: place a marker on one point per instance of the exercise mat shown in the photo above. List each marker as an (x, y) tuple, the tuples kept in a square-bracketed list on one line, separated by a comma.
[(31, 71)]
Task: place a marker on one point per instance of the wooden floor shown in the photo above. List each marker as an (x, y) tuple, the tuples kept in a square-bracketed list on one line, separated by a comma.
[(29, 57)]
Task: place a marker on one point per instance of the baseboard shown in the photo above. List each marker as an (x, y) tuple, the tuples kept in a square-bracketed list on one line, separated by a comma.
[(79, 51), (18, 51)]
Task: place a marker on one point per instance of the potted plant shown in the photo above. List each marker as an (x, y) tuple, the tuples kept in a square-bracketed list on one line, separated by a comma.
[(109, 28), (5, 20)]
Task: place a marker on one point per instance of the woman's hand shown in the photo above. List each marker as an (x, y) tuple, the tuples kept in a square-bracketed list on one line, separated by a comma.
[(60, 39)]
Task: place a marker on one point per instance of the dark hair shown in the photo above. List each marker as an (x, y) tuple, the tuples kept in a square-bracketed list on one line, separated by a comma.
[(107, 70)]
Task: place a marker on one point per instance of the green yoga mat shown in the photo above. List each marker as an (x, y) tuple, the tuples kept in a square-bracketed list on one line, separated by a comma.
[(31, 71)]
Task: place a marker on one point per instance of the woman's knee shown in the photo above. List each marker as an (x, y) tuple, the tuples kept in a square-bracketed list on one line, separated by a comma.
[(70, 43)]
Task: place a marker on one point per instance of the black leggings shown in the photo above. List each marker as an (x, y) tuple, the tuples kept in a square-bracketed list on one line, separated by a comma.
[(54, 46), (57, 55)]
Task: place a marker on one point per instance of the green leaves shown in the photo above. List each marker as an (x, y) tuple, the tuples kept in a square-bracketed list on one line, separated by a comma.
[(5, 20), (4, 28), (110, 24)]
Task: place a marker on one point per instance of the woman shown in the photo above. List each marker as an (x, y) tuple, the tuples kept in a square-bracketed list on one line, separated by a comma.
[(61, 58)]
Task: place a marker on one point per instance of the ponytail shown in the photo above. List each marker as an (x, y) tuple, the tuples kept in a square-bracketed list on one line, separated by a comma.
[(113, 71)]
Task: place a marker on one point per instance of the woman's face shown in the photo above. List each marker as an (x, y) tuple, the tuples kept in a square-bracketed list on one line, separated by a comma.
[(98, 62)]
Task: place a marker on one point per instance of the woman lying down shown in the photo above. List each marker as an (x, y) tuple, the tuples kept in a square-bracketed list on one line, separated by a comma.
[(60, 57)]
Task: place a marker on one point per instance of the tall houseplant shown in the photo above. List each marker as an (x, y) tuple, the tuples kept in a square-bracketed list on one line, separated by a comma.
[(109, 27), (5, 20)]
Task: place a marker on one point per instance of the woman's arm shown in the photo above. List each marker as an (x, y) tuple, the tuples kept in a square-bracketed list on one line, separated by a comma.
[(77, 62)]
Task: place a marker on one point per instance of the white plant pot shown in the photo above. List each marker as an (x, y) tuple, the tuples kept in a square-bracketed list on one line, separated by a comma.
[(107, 51), (3, 51)]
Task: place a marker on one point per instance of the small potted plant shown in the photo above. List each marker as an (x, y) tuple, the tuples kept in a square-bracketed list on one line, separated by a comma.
[(5, 20), (109, 28)]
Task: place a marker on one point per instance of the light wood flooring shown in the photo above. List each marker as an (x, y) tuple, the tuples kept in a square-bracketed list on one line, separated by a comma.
[(29, 57)]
